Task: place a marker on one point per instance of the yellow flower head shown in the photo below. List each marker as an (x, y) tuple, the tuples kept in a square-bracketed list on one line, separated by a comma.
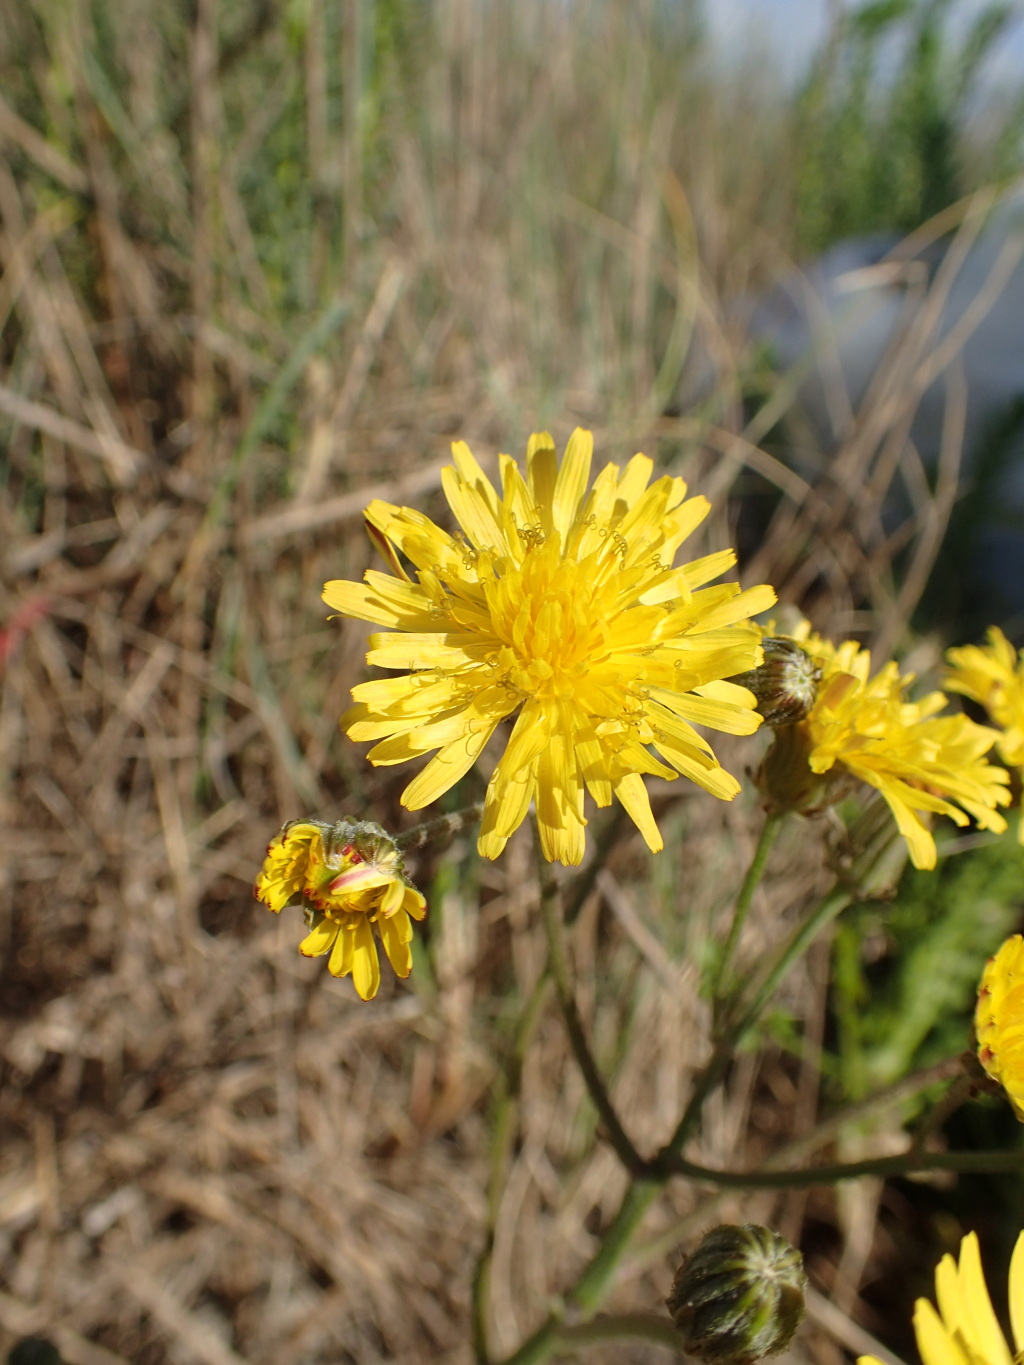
[(557, 605), (346, 877), (919, 761), (999, 1020), (965, 1330), (993, 675)]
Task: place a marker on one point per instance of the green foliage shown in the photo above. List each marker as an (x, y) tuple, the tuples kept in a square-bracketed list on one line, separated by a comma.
[(883, 120), (906, 973)]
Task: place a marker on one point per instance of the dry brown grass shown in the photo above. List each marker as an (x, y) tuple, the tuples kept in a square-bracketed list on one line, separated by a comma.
[(211, 1150)]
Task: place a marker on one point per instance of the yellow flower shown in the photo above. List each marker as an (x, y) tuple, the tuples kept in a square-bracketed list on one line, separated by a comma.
[(965, 1330), (999, 1020), (919, 761), (559, 606), (993, 675), (346, 877)]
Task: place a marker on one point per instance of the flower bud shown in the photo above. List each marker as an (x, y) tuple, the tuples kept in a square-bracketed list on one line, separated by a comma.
[(349, 879), (740, 1296), (788, 783), (785, 685)]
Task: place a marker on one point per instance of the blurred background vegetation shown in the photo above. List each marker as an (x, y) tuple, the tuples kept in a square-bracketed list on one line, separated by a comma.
[(259, 257)]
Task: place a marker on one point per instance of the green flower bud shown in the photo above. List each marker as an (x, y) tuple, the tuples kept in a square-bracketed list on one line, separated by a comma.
[(785, 685), (740, 1296), (787, 782)]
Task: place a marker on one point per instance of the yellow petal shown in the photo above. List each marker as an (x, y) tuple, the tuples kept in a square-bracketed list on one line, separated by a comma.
[(1017, 1295), (423, 650), (396, 935), (365, 963), (633, 795), (572, 480), (635, 478), (320, 939), (745, 604), (414, 903), (701, 571), (340, 961), (981, 1327), (473, 476), (446, 767), (507, 801), (383, 600), (541, 474), (936, 1345), (560, 801), (920, 843), (473, 512), (719, 715)]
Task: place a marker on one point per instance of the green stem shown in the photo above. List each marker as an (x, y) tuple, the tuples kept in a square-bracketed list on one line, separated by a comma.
[(558, 961), (444, 827), (651, 1176), (800, 939), (543, 1343), (614, 1326), (593, 1283), (725, 1048), (769, 831), (803, 1148)]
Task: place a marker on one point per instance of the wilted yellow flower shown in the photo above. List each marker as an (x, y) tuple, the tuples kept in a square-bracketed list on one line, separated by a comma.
[(965, 1329), (993, 675), (919, 761), (999, 1020), (559, 606), (346, 877)]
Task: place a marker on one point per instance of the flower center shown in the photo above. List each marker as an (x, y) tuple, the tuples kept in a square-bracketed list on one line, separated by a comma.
[(552, 617)]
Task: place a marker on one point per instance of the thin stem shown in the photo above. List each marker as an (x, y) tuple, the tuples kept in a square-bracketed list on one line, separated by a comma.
[(651, 1176), (801, 938), (615, 1326), (802, 1148), (986, 1162), (593, 1283), (933, 1120), (444, 827), (769, 831), (725, 1047), (542, 1343), (558, 961)]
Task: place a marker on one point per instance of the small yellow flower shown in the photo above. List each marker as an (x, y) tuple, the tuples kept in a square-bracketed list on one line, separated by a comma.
[(865, 727), (993, 675), (999, 1020), (965, 1330), (346, 877), (559, 606)]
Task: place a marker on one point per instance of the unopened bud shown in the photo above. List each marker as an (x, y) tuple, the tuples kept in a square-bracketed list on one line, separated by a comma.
[(740, 1296), (785, 685), (787, 782)]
